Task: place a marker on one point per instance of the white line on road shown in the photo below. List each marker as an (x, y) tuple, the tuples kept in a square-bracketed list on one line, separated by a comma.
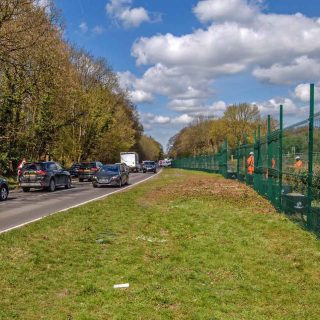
[(81, 204)]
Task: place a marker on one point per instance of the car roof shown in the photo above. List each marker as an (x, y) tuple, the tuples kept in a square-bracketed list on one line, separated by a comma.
[(36, 162)]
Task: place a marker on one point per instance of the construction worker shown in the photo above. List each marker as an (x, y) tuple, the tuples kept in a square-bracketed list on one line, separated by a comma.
[(298, 164), (273, 166), (250, 163)]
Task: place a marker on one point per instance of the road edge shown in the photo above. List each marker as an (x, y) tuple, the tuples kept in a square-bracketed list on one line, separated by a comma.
[(82, 203)]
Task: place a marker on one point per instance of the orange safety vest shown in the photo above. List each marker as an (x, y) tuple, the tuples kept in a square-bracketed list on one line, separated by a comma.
[(250, 163), (298, 164), (273, 165)]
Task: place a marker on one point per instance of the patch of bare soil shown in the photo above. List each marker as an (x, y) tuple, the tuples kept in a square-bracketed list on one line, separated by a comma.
[(195, 186)]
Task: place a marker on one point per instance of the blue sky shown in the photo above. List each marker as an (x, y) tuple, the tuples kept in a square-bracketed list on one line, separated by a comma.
[(179, 59)]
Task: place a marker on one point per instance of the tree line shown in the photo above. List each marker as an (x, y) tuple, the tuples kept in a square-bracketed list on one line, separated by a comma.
[(57, 101), (205, 136)]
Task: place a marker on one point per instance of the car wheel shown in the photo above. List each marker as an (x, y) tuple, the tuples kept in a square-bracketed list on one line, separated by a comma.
[(25, 189), (68, 185), (80, 180), (95, 185), (4, 193), (52, 185)]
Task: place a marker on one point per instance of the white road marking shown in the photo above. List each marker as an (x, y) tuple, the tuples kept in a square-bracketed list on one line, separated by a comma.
[(80, 204), (21, 225), (106, 195)]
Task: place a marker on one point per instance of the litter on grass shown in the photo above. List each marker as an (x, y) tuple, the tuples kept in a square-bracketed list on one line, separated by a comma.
[(121, 285), (144, 238)]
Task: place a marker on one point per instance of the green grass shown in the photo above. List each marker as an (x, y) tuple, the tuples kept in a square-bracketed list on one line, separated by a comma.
[(191, 246), (12, 182)]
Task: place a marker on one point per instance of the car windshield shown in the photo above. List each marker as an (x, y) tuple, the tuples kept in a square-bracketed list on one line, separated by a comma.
[(87, 165), (149, 163), (113, 169), (34, 166)]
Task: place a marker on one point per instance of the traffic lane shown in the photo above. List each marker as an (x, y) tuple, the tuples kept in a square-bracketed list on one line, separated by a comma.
[(23, 207)]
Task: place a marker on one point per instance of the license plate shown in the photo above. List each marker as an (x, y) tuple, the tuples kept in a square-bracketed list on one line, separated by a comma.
[(30, 175), (104, 180)]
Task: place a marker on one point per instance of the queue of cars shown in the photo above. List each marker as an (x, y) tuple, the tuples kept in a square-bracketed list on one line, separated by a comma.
[(50, 175)]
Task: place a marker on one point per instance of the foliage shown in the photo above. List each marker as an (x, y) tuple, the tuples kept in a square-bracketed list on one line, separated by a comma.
[(149, 149), (56, 101), (205, 136)]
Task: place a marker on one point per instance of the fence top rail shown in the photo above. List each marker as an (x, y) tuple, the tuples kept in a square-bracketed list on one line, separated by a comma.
[(316, 115)]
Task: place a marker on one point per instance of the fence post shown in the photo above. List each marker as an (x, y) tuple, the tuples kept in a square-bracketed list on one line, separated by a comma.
[(245, 157), (310, 157), (280, 157), (269, 155), (225, 160), (238, 161), (257, 175)]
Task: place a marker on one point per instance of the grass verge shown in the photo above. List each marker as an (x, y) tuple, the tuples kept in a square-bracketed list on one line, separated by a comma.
[(12, 182), (191, 246)]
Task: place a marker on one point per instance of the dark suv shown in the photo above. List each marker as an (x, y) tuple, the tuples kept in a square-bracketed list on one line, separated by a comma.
[(74, 169), (88, 169), (4, 189), (149, 166), (43, 175)]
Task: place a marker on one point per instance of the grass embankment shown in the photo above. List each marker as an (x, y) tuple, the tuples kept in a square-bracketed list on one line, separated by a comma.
[(191, 245), (12, 182)]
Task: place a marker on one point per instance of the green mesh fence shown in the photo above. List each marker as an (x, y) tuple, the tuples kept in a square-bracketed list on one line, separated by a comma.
[(286, 167), (314, 218)]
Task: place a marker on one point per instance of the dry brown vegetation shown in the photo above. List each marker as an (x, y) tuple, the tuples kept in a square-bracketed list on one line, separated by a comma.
[(212, 187)]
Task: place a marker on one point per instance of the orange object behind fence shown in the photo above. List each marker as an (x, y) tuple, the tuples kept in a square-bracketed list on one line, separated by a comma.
[(250, 163)]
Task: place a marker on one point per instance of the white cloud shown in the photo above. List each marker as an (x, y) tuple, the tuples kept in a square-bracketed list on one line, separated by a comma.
[(150, 120), (140, 96), (173, 83), (266, 44), (290, 108), (240, 37), (98, 30), (183, 119), (225, 10), (302, 68), (302, 92), (186, 105), (122, 12), (126, 80), (161, 119), (43, 3), (83, 27)]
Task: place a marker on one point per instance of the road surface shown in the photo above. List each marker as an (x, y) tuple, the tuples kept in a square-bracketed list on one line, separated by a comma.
[(24, 207)]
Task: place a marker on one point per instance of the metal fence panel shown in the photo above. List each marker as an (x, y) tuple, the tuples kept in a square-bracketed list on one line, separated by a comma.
[(286, 166)]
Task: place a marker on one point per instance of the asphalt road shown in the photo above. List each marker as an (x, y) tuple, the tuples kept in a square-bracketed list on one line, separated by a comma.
[(24, 207)]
